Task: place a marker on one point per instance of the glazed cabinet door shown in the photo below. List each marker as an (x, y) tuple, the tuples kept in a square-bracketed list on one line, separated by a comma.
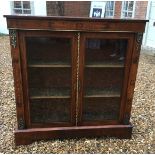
[(104, 69), (48, 75)]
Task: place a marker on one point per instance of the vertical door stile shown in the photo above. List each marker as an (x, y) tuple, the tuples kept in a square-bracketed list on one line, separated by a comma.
[(77, 77)]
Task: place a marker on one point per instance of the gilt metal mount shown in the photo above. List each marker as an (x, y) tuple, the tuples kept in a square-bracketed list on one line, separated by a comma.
[(139, 37), (13, 37)]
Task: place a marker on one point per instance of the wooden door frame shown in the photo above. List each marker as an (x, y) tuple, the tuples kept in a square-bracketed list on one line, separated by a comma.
[(34, 33), (105, 35)]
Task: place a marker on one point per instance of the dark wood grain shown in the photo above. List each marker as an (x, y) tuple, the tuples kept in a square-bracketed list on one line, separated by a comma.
[(18, 84), (82, 24), (132, 76), (23, 137)]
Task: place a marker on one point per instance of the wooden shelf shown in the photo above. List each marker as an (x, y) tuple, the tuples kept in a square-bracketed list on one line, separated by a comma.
[(40, 64), (90, 93), (49, 93), (49, 97), (105, 65)]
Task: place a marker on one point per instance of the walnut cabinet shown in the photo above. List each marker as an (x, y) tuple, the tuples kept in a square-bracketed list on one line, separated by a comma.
[(73, 77)]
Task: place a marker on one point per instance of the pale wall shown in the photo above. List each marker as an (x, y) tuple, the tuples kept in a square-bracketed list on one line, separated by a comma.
[(40, 7), (5, 9)]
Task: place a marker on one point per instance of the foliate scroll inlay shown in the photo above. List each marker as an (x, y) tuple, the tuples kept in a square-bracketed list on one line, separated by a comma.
[(21, 124), (17, 88), (139, 38), (13, 38)]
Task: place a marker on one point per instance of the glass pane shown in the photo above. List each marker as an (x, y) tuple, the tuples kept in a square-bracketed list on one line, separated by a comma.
[(49, 82), (97, 12), (50, 110), (100, 81), (103, 78), (26, 4), (48, 50), (49, 78), (130, 7), (125, 14), (105, 51), (26, 11), (125, 5), (130, 14), (111, 13), (111, 5), (101, 109), (107, 6), (17, 4), (16, 11)]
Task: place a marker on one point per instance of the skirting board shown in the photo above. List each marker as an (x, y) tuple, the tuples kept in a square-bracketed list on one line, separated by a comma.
[(27, 136)]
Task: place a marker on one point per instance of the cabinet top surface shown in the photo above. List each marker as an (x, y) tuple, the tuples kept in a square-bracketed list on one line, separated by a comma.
[(73, 18), (59, 23)]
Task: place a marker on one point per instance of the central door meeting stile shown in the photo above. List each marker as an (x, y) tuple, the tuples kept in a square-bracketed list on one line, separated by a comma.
[(77, 78)]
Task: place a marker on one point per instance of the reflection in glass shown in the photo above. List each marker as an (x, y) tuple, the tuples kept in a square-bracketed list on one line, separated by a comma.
[(99, 50), (103, 78)]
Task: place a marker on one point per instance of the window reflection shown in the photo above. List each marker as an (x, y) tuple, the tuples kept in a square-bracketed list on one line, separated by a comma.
[(106, 48)]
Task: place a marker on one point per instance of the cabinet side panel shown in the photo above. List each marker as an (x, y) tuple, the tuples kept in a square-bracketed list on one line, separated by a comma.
[(16, 64), (132, 76)]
